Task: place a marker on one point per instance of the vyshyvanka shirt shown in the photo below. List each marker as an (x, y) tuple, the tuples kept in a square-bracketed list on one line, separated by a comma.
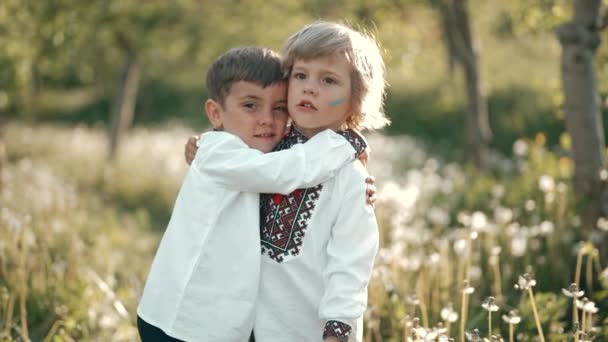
[(318, 248), (203, 283)]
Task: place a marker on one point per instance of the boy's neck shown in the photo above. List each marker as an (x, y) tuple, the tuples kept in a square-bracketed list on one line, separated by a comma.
[(309, 133)]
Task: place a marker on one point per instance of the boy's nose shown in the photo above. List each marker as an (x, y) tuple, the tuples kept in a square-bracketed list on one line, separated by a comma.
[(309, 89), (267, 117)]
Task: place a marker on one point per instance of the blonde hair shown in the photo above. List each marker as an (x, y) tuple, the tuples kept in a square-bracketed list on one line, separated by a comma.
[(322, 39)]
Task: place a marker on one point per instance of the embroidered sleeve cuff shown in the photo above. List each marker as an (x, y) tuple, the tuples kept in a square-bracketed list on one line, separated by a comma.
[(337, 329)]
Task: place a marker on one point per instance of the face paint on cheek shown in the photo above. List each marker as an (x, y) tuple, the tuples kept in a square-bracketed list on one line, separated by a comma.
[(336, 102)]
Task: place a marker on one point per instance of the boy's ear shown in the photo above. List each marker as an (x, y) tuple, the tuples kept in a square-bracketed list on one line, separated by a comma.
[(213, 110)]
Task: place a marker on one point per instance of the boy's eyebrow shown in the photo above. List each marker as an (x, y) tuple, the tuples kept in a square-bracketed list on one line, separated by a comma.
[(323, 70), (250, 97)]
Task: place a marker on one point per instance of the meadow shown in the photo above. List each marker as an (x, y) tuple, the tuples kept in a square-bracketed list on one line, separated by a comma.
[(498, 247)]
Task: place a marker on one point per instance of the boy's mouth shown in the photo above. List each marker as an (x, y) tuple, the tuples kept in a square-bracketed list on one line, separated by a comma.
[(265, 135), (307, 105)]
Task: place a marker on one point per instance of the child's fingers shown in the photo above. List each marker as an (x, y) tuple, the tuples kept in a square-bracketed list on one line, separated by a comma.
[(190, 149), (371, 194)]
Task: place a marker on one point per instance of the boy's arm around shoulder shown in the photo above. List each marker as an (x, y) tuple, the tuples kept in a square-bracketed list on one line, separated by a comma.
[(227, 160), (351, 252)]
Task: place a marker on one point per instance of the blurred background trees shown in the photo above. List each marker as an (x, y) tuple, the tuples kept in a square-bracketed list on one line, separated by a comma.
[(516, 87)]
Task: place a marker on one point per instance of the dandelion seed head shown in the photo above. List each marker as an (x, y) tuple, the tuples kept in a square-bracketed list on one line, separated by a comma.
[(460, 246), (478, 221), (530, 205), (512, 318), (464, 218), (412, 299), (498, 190), (603, 174), (602, 224), (467, 289), (448, 314), (473, 336), (490, 304), (520, 147), (525, 282), (546, 183), (547, 227), (573, 291), (519, 244)]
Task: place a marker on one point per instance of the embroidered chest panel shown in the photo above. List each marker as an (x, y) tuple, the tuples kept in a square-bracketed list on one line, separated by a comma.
[(285, 219)]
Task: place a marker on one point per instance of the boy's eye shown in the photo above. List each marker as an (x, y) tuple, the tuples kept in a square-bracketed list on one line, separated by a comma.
[(250, 105), (330, 80), (299, 76), (281, 109)]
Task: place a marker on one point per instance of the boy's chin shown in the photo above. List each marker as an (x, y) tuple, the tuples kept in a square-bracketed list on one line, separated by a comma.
[(264, 148)]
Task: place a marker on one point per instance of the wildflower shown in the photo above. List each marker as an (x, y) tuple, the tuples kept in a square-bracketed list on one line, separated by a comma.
[(448, 314), (468, 289), (573, 291), (478, 221), (490, 305), (503, 215), (530, 205), (546, 183), (602, 224), (512, 319), (438, 216), (464, 218), (460, 246), (520, 147), (444, 338), (473, 336), (412, 299), (547, 227), (525, 282), (603, 174), (519, 243)]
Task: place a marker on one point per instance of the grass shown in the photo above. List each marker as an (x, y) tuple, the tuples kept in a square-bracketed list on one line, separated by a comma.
[(78, 234)]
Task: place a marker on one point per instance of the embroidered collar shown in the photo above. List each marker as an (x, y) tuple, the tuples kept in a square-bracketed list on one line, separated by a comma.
[(296, 137)]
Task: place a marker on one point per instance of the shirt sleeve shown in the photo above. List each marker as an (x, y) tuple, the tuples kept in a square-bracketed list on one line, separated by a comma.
[(228, 161), (351, 252)]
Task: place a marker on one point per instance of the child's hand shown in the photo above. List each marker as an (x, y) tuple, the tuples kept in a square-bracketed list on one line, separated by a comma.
[(332, 339), (190, 149), (364, 157), (371, 190)]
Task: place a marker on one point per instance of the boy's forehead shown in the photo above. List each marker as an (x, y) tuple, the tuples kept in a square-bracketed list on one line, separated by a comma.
[(244, 89)]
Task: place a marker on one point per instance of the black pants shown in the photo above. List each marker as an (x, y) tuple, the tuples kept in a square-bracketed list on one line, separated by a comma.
[(150, 333)]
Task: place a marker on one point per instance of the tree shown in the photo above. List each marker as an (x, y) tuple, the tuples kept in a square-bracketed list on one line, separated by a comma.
[(462, 51), (580, 39)]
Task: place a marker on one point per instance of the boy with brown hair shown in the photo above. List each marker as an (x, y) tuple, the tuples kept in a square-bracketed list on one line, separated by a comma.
[(204, 281)]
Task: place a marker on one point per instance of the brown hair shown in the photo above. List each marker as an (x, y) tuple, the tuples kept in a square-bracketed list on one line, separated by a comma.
[(251, 64)]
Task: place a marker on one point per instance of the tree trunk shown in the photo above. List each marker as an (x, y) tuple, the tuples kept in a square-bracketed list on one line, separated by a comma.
[(580, 39), (123, 107), (461, 48)]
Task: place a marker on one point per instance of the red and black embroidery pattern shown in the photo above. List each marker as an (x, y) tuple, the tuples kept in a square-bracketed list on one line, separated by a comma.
[(284, 219), (337, 329)]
